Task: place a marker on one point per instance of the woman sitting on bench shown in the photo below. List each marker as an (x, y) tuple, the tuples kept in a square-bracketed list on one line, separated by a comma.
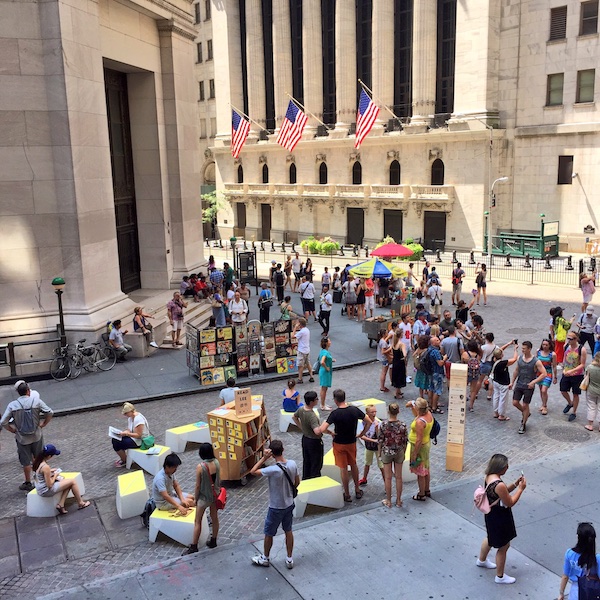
[(137, 428), (48, 482)]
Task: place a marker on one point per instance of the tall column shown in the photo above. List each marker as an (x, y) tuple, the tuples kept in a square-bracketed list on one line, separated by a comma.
[(345, 63), (424, 60), (312, 61), (256, 62), (282, 57), (383, 55)]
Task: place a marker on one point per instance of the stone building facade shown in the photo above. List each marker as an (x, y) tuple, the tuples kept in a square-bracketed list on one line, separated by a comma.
[(99, 161), (477, 90)]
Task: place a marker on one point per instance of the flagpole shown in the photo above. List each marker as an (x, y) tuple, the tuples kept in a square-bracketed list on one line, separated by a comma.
[(247, 117), (378, 99), (305, 110)]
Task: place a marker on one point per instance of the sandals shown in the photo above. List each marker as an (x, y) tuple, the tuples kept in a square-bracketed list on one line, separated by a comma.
[(386, 503), (438, 411), (501, 418), (399, 504), (588, 428), (85, 505), (428, 493), (419, 498), (61, 509), (359, 494), (347, 498), (544, 411), (384, 389)]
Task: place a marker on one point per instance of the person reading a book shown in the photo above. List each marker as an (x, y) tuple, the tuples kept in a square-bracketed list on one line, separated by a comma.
[(137, 428)]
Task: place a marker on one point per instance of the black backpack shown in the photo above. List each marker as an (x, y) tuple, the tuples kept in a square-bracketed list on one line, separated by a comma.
[(425, 364), (435, 431), (279, 280), (149, 508)]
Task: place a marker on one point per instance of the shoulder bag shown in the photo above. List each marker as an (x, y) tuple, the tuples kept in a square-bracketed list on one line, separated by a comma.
[(287, 476), (585, 382), (221, 497)]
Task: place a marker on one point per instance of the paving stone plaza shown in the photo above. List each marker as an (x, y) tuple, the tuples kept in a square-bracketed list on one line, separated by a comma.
[(42, 556)]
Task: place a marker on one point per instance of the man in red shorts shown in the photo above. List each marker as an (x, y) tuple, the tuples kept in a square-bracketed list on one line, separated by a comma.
[(345, 420)]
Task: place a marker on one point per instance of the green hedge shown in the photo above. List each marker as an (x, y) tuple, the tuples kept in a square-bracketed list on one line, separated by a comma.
[(325, 246)]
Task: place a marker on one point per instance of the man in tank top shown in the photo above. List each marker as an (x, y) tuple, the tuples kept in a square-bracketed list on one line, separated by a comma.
[(528, 372)]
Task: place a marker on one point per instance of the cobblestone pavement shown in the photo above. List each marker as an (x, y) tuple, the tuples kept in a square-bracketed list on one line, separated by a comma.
[(85, 448)]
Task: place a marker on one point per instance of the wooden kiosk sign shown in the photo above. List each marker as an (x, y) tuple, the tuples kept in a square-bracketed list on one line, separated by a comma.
[(243, 402), (455, 439)]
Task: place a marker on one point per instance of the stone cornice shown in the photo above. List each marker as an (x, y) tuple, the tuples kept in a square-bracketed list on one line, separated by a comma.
[(169, 26), (562, 129)]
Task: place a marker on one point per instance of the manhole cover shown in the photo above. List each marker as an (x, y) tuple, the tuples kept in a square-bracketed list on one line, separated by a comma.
[(522, 330), (567, 433)]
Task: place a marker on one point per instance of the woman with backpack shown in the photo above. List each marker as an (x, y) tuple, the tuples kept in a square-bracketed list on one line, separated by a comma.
[(580, 560), (420, 443), (558, 333), (472, 358), (392, 440), (499, 522), (422, 380)]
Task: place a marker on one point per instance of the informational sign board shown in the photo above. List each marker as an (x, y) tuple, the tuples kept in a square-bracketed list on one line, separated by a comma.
[(247, 267), (243, 401), (455, 438)]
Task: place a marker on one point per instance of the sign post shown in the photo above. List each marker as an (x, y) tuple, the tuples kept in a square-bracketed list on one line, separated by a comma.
[(247, 268), (243, 402), (455, 438)]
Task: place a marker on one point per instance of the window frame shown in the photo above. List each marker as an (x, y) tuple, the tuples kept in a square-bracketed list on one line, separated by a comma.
[(201, 92), (554, 16), (209, 50), (584, 20), (197, 15), (578, 99), (211, 89), (549, 89), (207, 10), (565, 169), (199, 56), (323, 173)]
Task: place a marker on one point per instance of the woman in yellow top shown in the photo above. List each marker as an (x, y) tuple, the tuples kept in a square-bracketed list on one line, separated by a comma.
[(419, 441)]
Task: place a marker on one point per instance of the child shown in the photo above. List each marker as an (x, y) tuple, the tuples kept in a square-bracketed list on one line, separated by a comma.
[(371, 445)]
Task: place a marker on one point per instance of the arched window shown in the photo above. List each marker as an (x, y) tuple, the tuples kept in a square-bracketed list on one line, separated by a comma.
[(437, 172), (395, 173), (323, 173), (265, 174), (356, 174), (292, 173), (240, 174), (209, 174)]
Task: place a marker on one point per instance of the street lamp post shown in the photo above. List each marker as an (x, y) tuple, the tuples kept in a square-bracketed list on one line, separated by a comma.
[(490, 245), (58, 283)]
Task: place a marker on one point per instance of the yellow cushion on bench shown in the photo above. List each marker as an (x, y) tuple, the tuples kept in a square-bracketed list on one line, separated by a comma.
[(131, 483), (316, 483)]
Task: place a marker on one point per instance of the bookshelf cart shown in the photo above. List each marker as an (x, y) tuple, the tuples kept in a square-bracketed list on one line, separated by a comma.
[(238, 441)]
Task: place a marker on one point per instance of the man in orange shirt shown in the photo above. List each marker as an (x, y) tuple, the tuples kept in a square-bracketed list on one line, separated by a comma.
[(369, 296)]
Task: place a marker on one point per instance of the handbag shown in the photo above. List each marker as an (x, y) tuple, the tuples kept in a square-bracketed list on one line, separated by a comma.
[(316, 367), (589, 586), (216, 304), (585, 383), (221, 497), (147, 442), (287, 476)]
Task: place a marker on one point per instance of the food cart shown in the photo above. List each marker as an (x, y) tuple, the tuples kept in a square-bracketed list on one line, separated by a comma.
[(373, 325)]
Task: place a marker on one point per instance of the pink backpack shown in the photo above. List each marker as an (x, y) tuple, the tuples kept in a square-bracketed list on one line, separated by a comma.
[(480, 498)]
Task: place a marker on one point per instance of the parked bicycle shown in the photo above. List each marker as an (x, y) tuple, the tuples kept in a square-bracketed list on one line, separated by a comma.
[(60, 367), (92, 358)]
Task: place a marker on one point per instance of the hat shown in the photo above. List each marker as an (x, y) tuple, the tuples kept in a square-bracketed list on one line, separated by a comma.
[(273, 262), (51, 450), (589, 310), (127, 407), (19, 383)]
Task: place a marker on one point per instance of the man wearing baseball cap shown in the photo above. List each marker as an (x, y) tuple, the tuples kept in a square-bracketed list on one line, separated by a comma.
[(586, 324), (26, 417)]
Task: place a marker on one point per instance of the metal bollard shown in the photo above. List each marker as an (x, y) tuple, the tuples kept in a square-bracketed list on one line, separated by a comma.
[(454, 261), (527, 264), (220, 243), (262, 246), (508, 263), (367, 251), (283, 247), (293, 246), (592, 266), (472, 258), (207, 244), (253, 245), (569, 266), (355, 250), (273, 247), (342, 250), (438, 258), (245, 245), (547, 265)]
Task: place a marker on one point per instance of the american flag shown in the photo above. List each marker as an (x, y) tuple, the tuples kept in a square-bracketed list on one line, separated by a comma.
[(240, 128), (292, 127), (367, 113)]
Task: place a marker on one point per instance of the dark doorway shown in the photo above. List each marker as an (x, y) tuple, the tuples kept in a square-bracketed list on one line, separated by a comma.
[(121, 159), (240, 219), (434, 230), (356, 226), (437, 172), (265, 221), (395, 173), (356, 173), (392, 224), (322, 173)]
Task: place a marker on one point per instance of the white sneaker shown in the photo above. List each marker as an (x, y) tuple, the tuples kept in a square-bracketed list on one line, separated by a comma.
[(504, 579), (289, 563), (408, 379), (262, 561), (486, 564), (154, 344)]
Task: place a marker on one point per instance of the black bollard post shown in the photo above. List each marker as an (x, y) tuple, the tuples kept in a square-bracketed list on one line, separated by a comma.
[(355, 250), (472, 258), (454, 261), (283, 247), (253, 245), (547, 265), (508, 263), (367, 251), (293, 246), (273, 247), (438, 258), (342, 250), (245, 245), (207, 244), (220, 243), (569, 266), (592, 266), (262, 246), (527, 264)]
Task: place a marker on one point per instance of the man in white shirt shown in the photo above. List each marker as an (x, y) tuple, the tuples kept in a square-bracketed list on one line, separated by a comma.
[(435, 294), (421, 327), (302, 335), (238, 309), (325, 313), (307, 295), (228, 394), (116, 341), (296, 270)]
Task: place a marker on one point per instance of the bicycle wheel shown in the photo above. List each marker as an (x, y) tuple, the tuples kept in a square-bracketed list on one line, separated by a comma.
[(105, 358), (60, 368), (76, 365)]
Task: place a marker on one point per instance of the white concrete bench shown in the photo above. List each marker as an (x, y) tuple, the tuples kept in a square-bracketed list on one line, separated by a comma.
[(177, 527), (132, 494), (139, 342), (286, 419), (40, 506), (177, 437), (319, 491), (380, 406), (329, 469), (151, 463)]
